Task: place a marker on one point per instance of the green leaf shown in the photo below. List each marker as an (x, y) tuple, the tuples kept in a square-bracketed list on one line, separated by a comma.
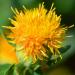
[(65, 7), (64, 49), (4, 68), (27, 3), (30, 3), (5, 11), (20, 68), (10, 71), (36, 73), (13, 70)]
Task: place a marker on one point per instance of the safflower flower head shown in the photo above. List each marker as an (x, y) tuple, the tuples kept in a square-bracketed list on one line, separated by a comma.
[(37, 27)]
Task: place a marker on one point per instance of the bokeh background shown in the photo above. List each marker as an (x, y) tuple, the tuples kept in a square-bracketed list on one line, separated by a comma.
[(67, 10)]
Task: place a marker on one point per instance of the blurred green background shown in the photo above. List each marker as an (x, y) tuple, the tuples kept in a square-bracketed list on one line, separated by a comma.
[(64, 7)]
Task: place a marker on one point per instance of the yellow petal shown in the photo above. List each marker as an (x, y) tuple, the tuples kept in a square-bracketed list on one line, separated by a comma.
[(7, 54)]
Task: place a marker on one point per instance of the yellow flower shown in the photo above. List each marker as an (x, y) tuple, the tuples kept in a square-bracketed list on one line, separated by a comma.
[(37, 27), (7, 55)]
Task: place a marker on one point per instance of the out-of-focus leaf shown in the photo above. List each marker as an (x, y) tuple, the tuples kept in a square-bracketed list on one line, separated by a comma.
[(4, 68), (27, 3), (30, 3), (60, 70), (64, 6), (69, 41), (64, 49), (5, 11), (11, 70), (37, 66), (20, 68), (36, 73)]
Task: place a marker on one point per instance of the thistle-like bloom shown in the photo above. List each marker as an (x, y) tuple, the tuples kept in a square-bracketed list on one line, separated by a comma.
[(37, 27)]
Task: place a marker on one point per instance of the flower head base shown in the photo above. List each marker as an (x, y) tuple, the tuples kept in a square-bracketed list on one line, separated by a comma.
[(35, 27)]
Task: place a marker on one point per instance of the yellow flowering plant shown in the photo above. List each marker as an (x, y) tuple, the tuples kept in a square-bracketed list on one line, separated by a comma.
[(32, 29), (37, 35)]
